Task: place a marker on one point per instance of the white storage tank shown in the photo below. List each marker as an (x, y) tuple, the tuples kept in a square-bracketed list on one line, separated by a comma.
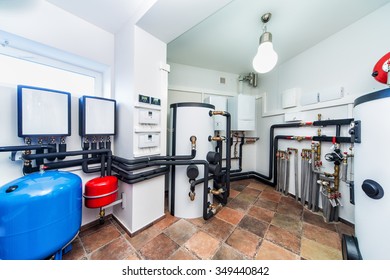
[(188, 119), (372, 180)]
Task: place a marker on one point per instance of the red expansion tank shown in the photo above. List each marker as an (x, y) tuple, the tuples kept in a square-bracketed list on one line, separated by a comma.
[(100, 191)]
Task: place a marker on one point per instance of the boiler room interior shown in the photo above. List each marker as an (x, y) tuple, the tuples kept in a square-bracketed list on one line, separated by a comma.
[(194, 130)]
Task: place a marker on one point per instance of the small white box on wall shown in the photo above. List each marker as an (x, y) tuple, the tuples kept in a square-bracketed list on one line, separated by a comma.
[(290, 98)]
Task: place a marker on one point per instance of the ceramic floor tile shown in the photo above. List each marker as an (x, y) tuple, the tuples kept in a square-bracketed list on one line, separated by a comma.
[(117, 249), (226, 252), (166, 221), (292, 232), (321, 235), (261, 214), (182, 254), (291, 224), (143, 237), (238, 188), (97, 239), (345, 229), (292, 209), (271, 195), (283, 238), (77, 252), (254, 225), (230, 215), (199, 222), (257, 186), (202, 245), (159, 248), (266, 204), (181, 231), (218, 228), (271, 251), (93, 228), (244, 241), (317, 219), (246, 197), (251, 191), (312, 250), (239, 205), (233, 193)]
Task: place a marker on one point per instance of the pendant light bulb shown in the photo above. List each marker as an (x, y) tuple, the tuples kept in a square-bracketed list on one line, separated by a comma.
[(266, 57)]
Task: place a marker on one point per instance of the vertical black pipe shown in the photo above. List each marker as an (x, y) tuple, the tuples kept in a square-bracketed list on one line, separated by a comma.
[(173, 153), (228, 156)]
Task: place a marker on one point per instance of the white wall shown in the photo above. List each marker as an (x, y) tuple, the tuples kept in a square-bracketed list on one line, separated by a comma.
[(49, 25), (139, 57), (48, 30)]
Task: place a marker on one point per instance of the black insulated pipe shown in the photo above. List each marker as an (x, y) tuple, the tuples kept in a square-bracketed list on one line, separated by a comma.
[(228, 151), (61, 149), (272, 175), (26, 147), (51, 151)]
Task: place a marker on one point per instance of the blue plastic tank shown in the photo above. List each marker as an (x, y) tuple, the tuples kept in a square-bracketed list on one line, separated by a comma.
[(39, 214)]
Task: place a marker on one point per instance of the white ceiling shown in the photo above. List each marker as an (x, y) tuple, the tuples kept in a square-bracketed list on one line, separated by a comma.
[(227, 39)]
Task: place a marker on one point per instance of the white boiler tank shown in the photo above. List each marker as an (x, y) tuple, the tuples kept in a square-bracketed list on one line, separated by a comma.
[(186, 120), (372, 175)]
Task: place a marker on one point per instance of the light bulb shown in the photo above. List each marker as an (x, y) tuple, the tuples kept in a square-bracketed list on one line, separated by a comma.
[(265, 59)]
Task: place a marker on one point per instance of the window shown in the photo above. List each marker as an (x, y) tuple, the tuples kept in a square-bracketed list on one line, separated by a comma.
[(19, 66)]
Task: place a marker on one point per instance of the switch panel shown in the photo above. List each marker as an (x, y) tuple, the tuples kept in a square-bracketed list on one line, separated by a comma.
[(148, 140), (149, 117)]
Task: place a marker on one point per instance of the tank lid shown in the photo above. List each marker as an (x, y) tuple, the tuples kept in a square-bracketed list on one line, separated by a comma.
[(384, 93), (192, 104)]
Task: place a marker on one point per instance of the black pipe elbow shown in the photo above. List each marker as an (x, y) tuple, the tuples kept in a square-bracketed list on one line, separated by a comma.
[(53, 149), (61, 149)]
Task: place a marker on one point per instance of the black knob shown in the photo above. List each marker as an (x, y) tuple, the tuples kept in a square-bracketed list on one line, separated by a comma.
[(11, 188), (372, 189)]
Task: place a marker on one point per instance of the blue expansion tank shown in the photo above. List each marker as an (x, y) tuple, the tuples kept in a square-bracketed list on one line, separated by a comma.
[(39, 214)]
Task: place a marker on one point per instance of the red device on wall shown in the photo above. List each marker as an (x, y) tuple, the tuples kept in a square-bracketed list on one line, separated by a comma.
[(101, 191), (381, 70)]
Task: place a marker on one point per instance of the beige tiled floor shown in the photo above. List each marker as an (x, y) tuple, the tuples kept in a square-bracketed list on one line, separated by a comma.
[(257, 223)]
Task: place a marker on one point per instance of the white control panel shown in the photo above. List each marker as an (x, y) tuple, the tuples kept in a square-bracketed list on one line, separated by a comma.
[(148, 140), (148, 116)]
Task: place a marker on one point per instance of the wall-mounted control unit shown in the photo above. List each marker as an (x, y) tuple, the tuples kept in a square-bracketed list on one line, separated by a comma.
[(242, 109), (97, 116), (220, 103), (43, 112), (149, 116)]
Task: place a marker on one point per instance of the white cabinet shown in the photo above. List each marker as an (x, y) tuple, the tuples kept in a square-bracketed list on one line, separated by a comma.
[(220, 103), (242, 109)]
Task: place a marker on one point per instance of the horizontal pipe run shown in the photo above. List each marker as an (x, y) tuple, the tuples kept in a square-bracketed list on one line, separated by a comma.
[(27, 147), (125, 177), (140, 179), (70, 153), (333, 122), (144, 162), (69, 163)]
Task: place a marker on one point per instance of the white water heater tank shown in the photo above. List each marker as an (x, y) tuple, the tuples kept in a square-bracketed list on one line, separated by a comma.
[(372, 180), (186, 120)]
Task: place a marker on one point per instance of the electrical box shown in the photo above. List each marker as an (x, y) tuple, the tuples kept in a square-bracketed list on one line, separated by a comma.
[(290, 98), (148, 116), (43, 112), (220, 104), (97, 116), (242, 109), (148, 140)]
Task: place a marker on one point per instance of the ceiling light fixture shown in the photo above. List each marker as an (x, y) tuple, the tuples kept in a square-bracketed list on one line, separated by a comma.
[(266, 58)]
